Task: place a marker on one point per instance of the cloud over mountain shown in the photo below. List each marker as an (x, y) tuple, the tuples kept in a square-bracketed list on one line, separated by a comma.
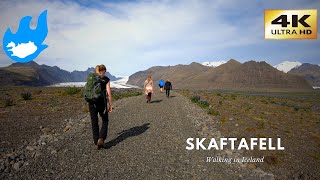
[(128, 36)]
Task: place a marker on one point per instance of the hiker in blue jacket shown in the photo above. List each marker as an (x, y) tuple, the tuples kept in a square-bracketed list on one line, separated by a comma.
[(161, 84)]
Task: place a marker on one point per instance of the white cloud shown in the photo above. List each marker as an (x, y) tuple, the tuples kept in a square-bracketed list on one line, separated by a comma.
[(127, 37)]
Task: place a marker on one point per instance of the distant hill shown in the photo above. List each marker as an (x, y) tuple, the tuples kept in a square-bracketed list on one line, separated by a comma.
[(33, 74), (178, 73), (231, 75), (310, 72)]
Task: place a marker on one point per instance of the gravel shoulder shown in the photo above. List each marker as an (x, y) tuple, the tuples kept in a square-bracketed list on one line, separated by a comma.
[(145, 141)]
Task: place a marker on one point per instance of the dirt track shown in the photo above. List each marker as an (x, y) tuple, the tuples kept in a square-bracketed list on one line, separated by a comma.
[(145, 141)]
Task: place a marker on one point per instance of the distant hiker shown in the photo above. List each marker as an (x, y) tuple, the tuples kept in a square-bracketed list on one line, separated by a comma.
[(168, 87), (148, 88), (161, 84), (97, 93)]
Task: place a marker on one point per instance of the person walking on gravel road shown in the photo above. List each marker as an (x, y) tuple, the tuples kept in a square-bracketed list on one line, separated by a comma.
[(168, 87), (148, 88), (161, 84), (101, 91)]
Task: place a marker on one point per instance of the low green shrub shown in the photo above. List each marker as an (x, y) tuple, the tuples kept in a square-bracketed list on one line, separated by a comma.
[(72, 90), (233, 96), (26, 95), (213, 111), (195, 98), (8, 101), (203, 103), (120, 95)]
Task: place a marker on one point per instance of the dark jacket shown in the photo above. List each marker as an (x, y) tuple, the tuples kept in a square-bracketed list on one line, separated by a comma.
[(168, 85)]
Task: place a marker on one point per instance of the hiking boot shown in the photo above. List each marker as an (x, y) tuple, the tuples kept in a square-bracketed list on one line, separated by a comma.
[(100, 143)]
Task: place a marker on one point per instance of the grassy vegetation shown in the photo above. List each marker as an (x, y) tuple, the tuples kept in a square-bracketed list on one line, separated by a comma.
[(213, 111), (125, 94), (26, 96), (233, 96), (115, 93), (292, 116), (203, 103), (11, 96), (195, 98), (8, 101), (72, 90)]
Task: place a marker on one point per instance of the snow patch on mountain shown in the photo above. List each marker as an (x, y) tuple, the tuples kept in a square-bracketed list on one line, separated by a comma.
[(286, 66), (213, 63)]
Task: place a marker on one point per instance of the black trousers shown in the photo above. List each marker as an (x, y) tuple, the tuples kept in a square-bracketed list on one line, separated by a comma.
[(94, 109), (148, 96), (168, 92)]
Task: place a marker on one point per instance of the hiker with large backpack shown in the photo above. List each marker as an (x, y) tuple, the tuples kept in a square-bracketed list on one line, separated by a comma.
[(148, 88), (161, 84), (98, 95)]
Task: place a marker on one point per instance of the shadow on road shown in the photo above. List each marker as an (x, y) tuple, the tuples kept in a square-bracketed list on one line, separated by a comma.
[(156, 101), (134, 131)]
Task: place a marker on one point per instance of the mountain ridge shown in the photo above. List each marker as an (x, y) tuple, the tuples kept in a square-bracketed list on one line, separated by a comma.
[(311, 72), (33, 74), (232, 74)]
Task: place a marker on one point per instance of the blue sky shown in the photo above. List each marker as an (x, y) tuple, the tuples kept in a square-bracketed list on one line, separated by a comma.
[(129, 36)]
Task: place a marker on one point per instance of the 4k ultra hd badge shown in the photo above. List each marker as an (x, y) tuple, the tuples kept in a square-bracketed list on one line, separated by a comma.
[(290, 24)]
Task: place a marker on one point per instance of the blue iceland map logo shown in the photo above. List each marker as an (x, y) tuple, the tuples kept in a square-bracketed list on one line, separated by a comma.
[(26, 44)]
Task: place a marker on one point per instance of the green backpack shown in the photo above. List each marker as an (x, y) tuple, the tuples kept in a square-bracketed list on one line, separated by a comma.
[(92, 89)]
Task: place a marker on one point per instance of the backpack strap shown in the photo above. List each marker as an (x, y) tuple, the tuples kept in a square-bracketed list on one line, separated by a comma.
[(104, 96), (147, 83)]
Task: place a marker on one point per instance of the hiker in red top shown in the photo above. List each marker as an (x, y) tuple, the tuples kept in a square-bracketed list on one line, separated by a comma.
[(148, 89)]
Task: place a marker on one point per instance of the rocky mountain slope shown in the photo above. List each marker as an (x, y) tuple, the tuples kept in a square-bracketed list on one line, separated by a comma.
[(231, 75), (33, 74), (310, 72), (178, 73)]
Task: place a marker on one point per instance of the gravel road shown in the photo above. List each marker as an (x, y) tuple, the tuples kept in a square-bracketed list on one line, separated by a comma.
[(145, 141)]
